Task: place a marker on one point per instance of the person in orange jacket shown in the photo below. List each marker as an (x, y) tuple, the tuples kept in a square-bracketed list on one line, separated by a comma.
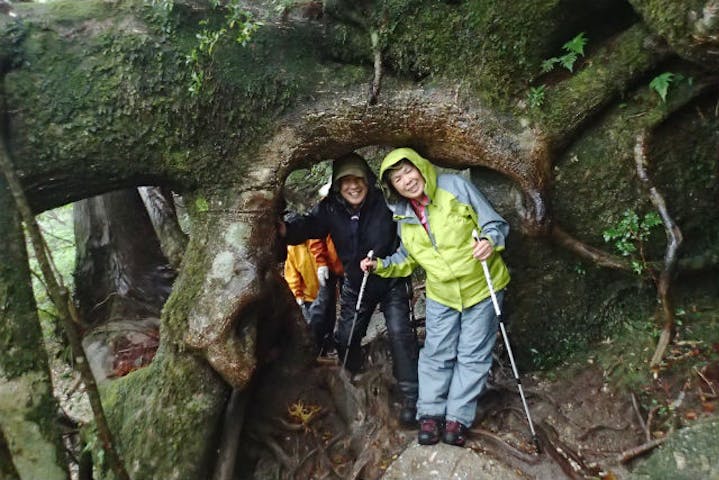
[(323, 311), (301, 276)]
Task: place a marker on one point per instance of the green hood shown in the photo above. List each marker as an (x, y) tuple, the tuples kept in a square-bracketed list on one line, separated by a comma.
[(423, 165)]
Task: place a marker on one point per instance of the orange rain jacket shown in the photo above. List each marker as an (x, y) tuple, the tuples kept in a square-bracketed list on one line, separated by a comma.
[(325, 254)]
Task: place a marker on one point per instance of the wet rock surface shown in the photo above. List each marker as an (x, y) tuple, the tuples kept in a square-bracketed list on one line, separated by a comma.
[(442, 461)]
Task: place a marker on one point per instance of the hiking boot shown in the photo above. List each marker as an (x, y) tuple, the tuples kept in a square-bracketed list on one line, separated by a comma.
[(429, 430), (454, 433), (408, 412)]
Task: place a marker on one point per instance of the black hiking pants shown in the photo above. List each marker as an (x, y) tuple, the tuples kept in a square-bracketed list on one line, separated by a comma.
[(392, 296)]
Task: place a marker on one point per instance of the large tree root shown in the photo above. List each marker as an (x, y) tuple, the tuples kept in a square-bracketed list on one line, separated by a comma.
[(570, 461), (499, 448), (233, 420)]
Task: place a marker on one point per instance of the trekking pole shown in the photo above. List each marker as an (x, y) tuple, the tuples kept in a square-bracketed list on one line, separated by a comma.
[(498, 312), (370, 254)]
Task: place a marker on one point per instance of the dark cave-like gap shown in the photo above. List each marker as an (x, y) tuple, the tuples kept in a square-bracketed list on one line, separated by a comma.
[(107, 252), (105, 231), (123, 275)]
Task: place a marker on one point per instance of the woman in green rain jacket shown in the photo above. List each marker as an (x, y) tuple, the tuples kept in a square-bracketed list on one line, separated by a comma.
[(436, 217)]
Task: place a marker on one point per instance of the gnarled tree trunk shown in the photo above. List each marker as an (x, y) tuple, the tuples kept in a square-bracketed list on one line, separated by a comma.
[(97, 100)]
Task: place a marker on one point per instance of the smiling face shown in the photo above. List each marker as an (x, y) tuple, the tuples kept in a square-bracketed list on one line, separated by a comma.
[(353, 190), (407, 180)]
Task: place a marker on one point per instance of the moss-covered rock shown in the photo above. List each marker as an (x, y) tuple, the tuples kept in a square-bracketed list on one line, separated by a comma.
[(166, 417), (689, 454), (690, 27)]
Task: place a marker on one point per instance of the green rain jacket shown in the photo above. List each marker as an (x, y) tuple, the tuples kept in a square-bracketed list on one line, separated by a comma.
[(456, 207)]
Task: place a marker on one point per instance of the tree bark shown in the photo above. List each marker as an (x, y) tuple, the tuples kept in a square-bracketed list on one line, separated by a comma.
[(120, 271), (161, 209), (27, 408)]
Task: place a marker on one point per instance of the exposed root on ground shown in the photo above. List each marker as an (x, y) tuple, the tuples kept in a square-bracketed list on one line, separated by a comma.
[(633, 453), (324, 424)]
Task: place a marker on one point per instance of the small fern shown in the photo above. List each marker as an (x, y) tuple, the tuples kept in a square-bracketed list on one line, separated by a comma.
[(663, 82), (573, 48)]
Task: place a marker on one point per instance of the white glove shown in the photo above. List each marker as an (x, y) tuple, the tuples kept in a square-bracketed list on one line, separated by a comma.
[(300, 301), (323, 274)]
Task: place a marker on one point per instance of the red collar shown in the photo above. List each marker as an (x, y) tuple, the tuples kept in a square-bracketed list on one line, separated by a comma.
[(422, 202)]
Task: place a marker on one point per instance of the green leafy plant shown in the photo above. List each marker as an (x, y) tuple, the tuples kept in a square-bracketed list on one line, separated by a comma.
[(573, 48), (236, 22), (663, 82), (535, 97), (93, 446), (630, 234)]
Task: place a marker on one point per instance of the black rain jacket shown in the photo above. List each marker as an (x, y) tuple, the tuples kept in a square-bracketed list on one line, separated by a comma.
[(374, 230)]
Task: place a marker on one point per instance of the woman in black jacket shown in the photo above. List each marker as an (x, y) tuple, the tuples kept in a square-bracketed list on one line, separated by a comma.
[(357, 218)]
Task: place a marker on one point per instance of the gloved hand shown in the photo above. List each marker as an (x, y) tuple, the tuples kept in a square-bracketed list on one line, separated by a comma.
[(323, 274), (300, 301)]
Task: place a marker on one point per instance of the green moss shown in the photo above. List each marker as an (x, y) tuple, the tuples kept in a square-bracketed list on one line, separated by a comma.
[(181, 301), (196, 263), (118, 90), (685, 169), (595, 179), (94, 93), (166, 416), (559, 306), (36, 454), (28, 409), (689, 454), (20, 335), (494, 47), (69, 12), (669, 19)]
